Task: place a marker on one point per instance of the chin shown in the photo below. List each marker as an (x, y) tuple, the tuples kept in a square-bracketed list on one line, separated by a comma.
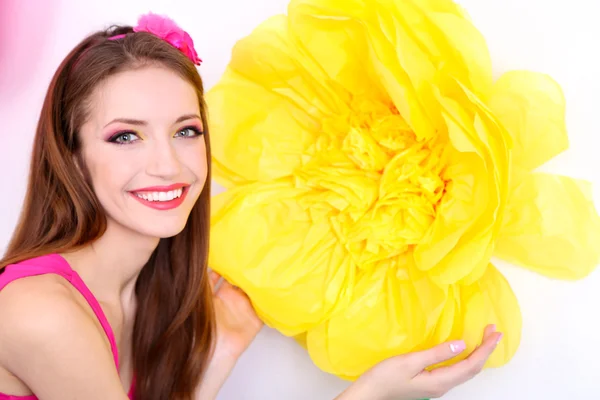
[(149, 226), (163, 232), (157, 228)]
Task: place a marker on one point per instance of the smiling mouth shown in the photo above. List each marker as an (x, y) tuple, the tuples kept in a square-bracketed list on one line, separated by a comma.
[(162, 198)]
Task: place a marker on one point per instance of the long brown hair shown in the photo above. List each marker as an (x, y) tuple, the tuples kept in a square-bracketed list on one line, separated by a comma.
[(174, 324)]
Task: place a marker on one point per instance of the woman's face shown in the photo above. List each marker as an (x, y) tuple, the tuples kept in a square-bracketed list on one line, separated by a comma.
[(144, 150)]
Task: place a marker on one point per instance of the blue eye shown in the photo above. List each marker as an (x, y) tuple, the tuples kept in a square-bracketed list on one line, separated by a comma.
[(189, 131), (124, 138)]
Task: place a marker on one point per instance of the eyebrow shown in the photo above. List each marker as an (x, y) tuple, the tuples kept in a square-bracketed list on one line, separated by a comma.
[(139, 122)]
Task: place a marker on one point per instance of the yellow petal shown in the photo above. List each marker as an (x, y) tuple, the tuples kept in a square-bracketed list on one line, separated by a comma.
[(395, 314), (531, 106), (381, 55), (249, 144), (450, 325), (291, 266), (331, 44), (453, 38), (551, 227), (410, 42), (463, 204), (460, 242), (470, 308), (394, 311), (490, 300)]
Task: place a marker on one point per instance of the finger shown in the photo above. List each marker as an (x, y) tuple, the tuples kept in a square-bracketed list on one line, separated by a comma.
[(420, 360), (452, 376), (225, 288), (443, 352), (490, 329), (214, 278)]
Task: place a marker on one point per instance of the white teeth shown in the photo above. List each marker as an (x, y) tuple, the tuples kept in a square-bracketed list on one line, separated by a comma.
[(160, 196)]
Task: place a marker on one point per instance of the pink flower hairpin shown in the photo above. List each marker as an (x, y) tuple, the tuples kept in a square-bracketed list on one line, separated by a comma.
[(166, 29)]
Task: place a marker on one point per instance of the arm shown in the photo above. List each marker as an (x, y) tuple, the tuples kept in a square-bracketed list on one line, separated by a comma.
[(237, 325), (51, 343), (217, 373)]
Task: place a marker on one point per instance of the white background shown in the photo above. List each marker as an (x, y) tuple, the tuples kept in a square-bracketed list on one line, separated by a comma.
[(560, 352)]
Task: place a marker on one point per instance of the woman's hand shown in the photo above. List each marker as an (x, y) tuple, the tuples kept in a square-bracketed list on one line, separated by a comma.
[(237, 322), (406, 377), (237, 326)]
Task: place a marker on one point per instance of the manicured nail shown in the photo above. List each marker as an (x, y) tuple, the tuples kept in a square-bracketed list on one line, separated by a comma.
[(499, 339), (458, 346)]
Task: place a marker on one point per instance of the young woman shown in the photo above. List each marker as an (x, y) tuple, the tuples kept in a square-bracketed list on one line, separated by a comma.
[(104, 289)]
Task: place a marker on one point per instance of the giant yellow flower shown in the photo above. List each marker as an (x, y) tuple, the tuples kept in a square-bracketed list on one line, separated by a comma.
[(373, 169)]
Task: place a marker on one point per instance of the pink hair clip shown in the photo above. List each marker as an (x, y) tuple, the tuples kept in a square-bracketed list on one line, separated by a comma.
[(166, 29)]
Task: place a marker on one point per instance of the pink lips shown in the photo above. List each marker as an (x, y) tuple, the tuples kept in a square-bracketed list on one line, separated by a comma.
[(162, 203)]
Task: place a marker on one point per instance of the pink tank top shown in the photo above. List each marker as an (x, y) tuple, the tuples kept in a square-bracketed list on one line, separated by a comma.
[(56, 264)]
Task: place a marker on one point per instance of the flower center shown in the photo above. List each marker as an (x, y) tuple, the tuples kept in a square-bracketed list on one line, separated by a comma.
[(378, 185)]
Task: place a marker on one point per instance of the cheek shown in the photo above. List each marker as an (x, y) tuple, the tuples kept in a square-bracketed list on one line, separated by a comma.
[(110, 175), (194, 158)]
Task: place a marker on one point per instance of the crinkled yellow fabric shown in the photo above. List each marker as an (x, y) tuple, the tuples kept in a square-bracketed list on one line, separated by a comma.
[(374, 168)]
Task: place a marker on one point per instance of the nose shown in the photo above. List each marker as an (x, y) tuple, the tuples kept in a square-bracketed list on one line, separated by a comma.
[(163, 161)]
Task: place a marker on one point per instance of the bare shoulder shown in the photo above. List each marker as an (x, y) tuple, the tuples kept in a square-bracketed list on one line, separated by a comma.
[(36, 306), (50, 342)]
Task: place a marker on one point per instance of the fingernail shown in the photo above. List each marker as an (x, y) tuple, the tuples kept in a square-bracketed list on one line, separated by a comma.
[(458, 346), (499, 339)]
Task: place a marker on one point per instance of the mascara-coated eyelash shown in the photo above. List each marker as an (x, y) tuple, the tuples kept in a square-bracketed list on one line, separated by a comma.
[(197, 132), (115, 138)]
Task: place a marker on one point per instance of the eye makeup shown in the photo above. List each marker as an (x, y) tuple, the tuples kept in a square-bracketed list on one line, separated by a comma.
[(195, 129), (125, 136)]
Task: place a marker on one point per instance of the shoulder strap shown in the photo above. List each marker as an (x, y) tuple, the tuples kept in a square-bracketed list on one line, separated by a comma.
[(53, 263), (56, 264)]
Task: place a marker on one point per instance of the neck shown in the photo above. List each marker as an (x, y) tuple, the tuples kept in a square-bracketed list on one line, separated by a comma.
[(110, 265)]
